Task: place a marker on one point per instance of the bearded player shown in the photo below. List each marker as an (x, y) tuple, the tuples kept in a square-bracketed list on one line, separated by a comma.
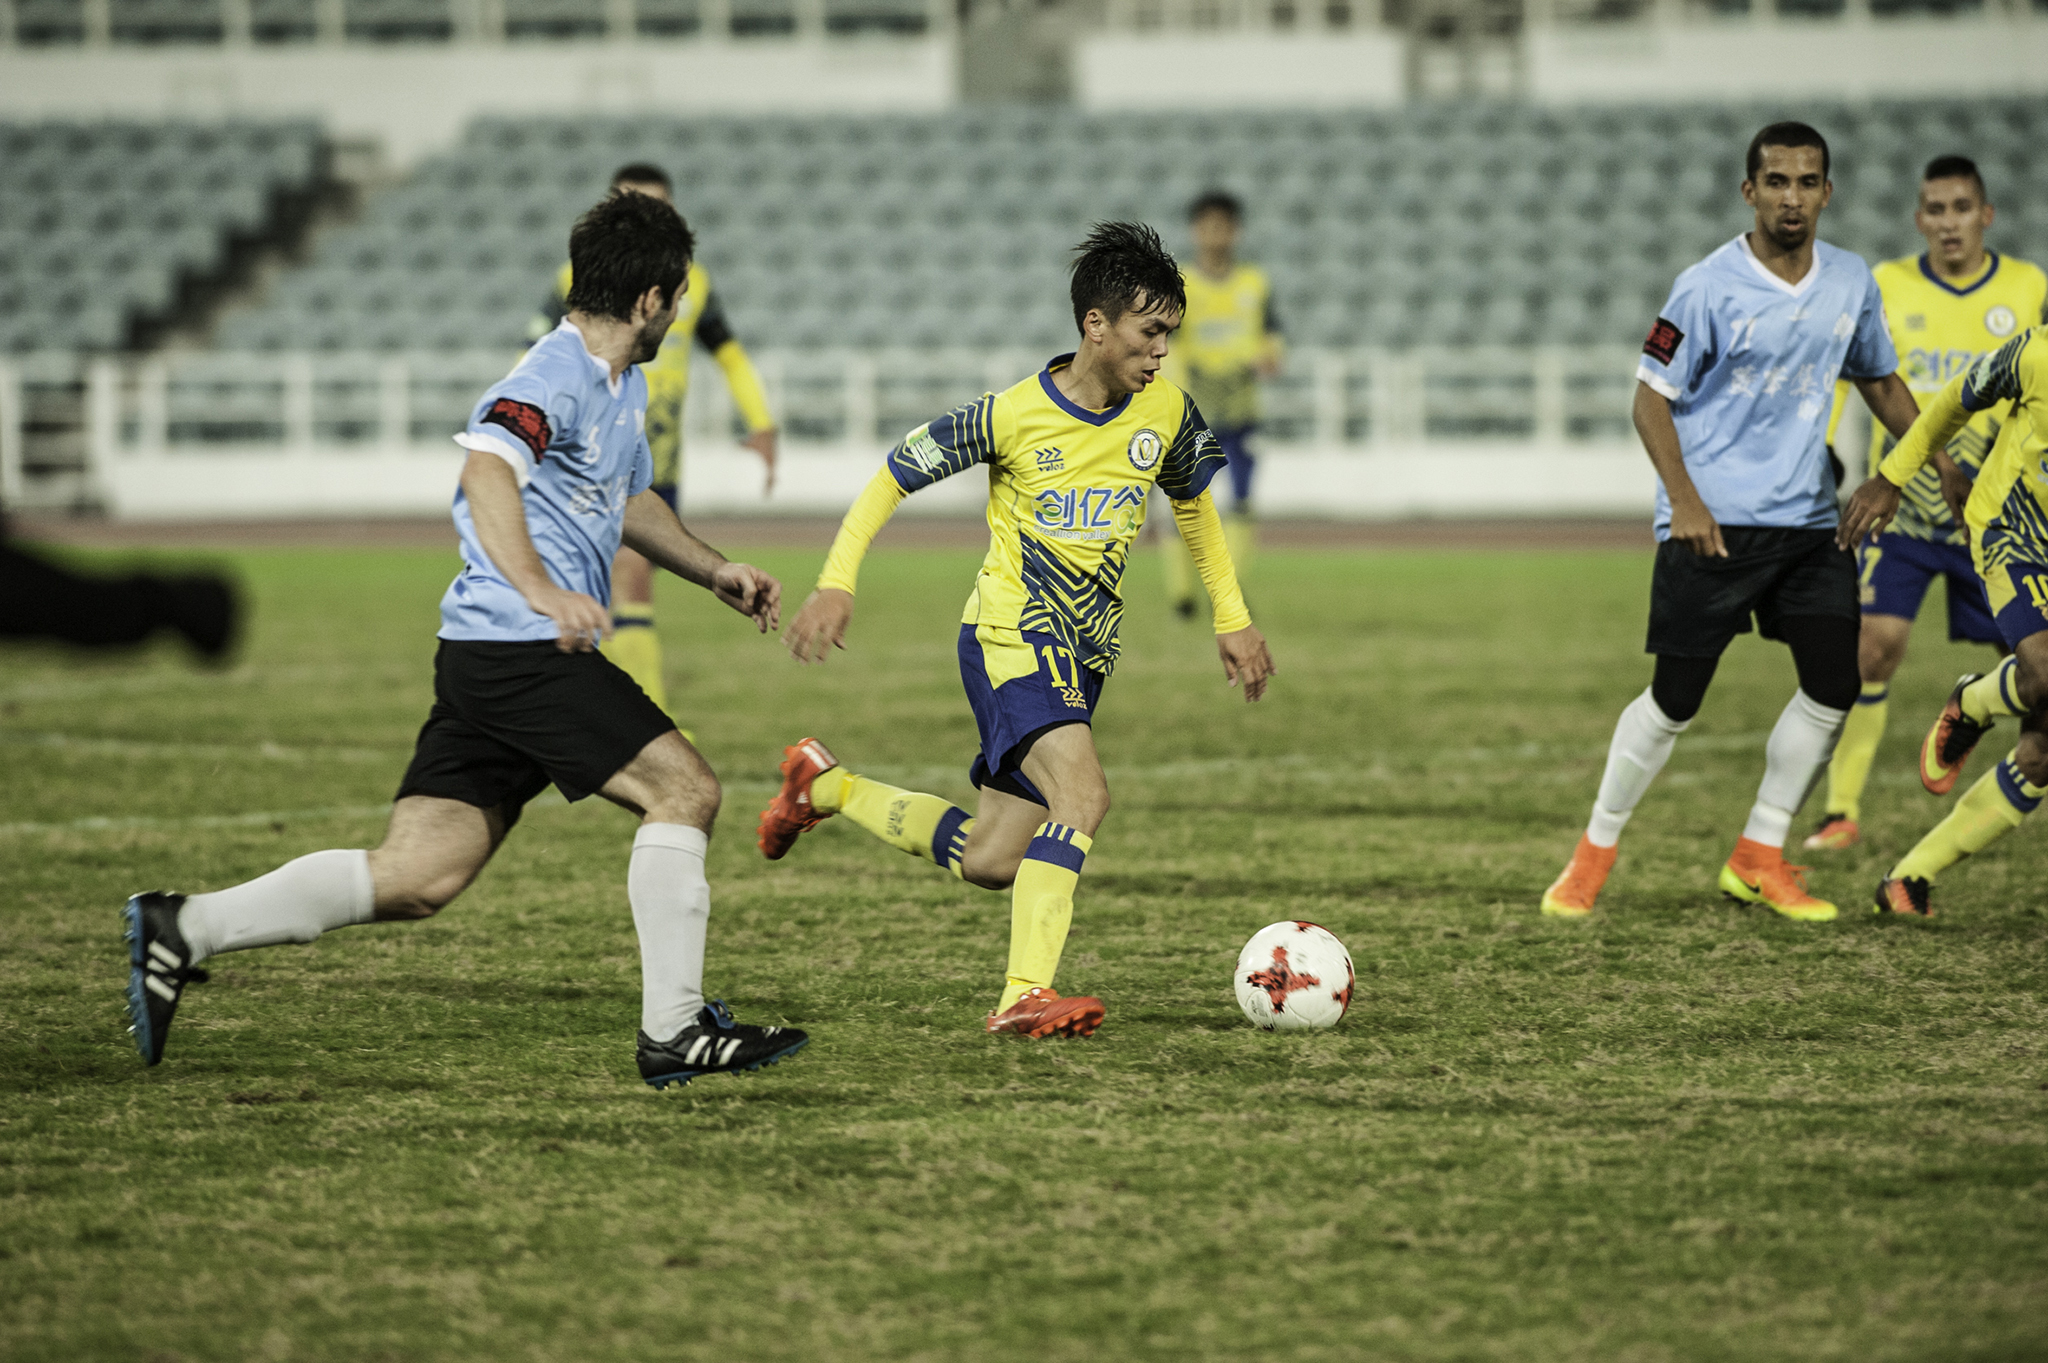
[(1732, 405), (1947, 307), (1072, 454)]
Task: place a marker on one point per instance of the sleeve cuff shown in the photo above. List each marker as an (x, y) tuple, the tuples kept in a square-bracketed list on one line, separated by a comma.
[(1657, 382), (490, 444)]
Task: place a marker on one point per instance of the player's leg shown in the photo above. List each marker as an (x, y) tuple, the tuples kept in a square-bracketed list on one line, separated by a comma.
[(815, 787), (1240, 532), (1061, 763), (1999, 801), (634, 645), (1177, 567), (676, 794), (432, 849), (2016, 596), (1696, 607), (1894, 572)]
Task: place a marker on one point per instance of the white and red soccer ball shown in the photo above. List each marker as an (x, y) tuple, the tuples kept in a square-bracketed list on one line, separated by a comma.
[(1294, 975)]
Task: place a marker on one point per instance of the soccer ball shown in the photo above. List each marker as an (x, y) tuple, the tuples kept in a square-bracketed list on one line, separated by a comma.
[(1293, 975)]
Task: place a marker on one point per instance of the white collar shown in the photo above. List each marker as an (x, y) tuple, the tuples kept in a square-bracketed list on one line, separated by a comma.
[(1764, 273), (610, 383)]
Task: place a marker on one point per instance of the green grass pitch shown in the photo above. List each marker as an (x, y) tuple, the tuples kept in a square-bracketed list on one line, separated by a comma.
[(1686, 1130)]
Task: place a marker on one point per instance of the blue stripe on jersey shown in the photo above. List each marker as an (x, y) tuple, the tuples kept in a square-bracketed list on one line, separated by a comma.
[(1996, 377), (953, 443)]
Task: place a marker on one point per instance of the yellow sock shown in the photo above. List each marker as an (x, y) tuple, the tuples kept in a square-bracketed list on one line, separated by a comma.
[(1995, 693), (1180, 569), (1987, 812), (1241, 536), (636, 648), (1042, 908), (922, 825), (1855, 750)]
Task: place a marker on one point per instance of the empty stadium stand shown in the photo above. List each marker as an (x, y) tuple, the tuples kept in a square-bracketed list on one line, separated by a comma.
[(102, 225), (1432, 225)]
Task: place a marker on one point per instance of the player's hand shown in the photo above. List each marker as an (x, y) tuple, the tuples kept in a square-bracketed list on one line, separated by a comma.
[(751, 592), (1869, 511), (582, 622), (1246, 660), (764, 444), (820, 626), (1693, 526), (1956, 486)]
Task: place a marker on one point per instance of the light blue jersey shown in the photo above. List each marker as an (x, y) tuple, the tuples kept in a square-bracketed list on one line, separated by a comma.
[(1749, 364), (578, 443)]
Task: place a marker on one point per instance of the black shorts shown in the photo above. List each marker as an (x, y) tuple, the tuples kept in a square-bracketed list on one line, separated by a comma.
[(1697, 605), (508, 719)]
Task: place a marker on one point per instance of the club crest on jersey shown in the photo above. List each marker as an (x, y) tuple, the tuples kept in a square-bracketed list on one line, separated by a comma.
[(1145, 450), (2001, 321), (1050, 459)]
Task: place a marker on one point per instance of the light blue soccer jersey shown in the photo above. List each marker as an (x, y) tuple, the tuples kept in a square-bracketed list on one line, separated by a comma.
[(578, 443), (1749, 364)]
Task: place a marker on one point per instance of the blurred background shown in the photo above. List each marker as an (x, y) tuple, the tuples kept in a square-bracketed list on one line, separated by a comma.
[(258, 257)]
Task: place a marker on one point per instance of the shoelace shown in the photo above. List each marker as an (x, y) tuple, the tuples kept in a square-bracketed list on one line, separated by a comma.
[(1795, 874)]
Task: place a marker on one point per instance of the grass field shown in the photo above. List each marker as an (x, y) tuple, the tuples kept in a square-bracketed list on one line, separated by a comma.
[(1686, 1130)]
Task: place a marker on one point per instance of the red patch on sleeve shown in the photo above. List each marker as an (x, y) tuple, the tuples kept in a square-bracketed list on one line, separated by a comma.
[(524, 420), (1663, 342)]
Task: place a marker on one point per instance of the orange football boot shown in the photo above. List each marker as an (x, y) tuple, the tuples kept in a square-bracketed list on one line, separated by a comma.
[(1907, 895), (1836, 833), (1043, 1013), (1950, 742), (1572, 894), (790, 814), (1757, 874)]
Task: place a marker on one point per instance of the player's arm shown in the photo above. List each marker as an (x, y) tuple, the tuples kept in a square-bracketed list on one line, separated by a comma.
[(1245, 655), (499, 514), (1691, 523), (959, 440), (714, 333), (1877, 501), (652, 530)]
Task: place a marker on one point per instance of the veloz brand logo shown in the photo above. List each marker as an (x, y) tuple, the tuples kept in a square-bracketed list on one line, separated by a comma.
[(2000, 321), (1145, 449), (1050, 459)]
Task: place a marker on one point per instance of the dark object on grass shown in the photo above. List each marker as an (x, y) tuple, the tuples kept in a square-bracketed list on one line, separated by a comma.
[(39, 600)]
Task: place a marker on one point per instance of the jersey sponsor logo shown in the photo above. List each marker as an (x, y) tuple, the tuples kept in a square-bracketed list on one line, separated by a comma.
[(1050, 459), (1089, 514), (607, 498), (1845, 327), (1145, 449), (1663, 341), (2001, 321), (1916, 321), (524, 420)]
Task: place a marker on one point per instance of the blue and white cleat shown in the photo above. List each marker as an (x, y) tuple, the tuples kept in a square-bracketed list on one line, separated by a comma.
[(159, 968), (715, 1044)]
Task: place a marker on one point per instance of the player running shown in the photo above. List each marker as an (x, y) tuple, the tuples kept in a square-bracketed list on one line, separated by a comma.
[(1229, 341), (1072, 453), (636, 646), (558, 475), (1947, 307), (1731, 403), (2007, 517)]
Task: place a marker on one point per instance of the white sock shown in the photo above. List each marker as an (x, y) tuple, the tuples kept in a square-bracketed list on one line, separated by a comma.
[(671, 910), (295, 903), (1642, 742), (1801, 745)]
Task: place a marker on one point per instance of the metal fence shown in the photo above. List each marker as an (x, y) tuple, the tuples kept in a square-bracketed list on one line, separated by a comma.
[(60, 414)]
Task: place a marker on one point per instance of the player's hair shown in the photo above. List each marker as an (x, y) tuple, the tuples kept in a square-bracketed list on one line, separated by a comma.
[(626, 245), (1216, 201), (642, 173), (1956, 168), (1119, 263), (1784, 135)]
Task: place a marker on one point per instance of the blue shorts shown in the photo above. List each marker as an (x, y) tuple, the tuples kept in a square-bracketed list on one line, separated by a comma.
[(1020, 684), (1896, 571), (1235, 442)]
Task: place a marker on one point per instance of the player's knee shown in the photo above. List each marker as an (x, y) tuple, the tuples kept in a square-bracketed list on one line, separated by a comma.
[(692, 799), (2032, 677), (1837, 688), (419, 899)]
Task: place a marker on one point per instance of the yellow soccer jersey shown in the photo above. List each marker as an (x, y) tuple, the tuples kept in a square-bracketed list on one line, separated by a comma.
[(2008, 511), (699, 317), (1940, 330), (1066, 498), (1227, 331)]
